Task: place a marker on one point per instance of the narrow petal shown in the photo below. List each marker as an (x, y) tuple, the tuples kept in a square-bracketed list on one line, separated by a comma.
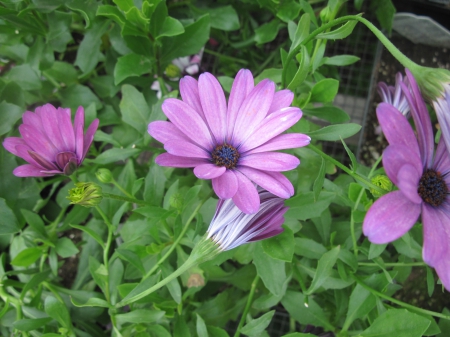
[(63, 158), (443, 271), (282, 142), (33, 119), (50, 121), (209, 171), (281, 99), (38, 142), (268, 181), (396, 127), (28, 170), (436, 239), (390, 217), (270, 161), (225, 185), (189, 94), (10, 144), (242, 86), (395, 157), (246, 197), (88, 138), (408, 182), (184, 148), (252, 111), (214, 105), (24, 151), (441, 162), (66, 128), (271, 126), (78, 128), (42, 162), (167, 159), (164, 131), (188, 121)]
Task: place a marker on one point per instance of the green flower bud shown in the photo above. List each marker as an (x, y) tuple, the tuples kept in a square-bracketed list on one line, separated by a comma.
[(85, 194), (172, 71), (104, 175), (383, 182), (176, 201), (325, 14), (431, 81)]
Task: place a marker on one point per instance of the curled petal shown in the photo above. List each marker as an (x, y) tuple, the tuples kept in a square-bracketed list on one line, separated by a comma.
[(246, 197), (209, 171), (408, 182), (395, 157), (225, 185)]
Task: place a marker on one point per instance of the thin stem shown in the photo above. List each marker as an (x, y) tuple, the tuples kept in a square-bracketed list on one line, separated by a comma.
[(162, 86), (394, 264), (108, 240), (226, 57), (124, 191), (247, 306), (403, 304), (127, 199)]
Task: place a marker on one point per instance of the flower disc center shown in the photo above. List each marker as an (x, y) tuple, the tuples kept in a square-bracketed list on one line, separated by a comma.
[(432, 188), (225, 155)]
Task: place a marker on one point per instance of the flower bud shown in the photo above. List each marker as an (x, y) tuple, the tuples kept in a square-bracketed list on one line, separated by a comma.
[(85, 194), (172, 71), (104, 175), (431, 81), (176, 201), (195, 280), (382, 182)]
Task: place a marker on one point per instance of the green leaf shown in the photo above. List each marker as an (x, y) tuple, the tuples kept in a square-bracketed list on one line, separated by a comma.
[(131, 65), (77, 95), (267, 32), (360, 304), (132, 258), (335, 132), (8, 220), (154, 184), (301, 32), (201, 327), (92, 302), (63, 72), (90, 232), (65, 248), (341, 60), (309, 248), (135, 110), (224, 18), (257, 326), (25, 76), (303, 69), (13, 93), (140, 316), (59, 30), (113, 155), (331, 114), (31, 324), (376, 250), (318, 182), (352, 157), (173, 286), (170, 27), (397, 323), (153, 212), (58, 311), (430, 282), (98, 272), (385, 11), (303, 207), (324, 268), (35, 281), (281, 246), (271, 271), (325, 90), (340, 33), (113, 13), (27, 257)]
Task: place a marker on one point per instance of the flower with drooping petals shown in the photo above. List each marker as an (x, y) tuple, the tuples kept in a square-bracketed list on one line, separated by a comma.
[(233, 144), (231, 228), (394, 94), (50, 143), (423, 180)]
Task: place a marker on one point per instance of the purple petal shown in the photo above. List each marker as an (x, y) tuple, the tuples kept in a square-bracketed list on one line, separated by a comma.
[(395, 157), (442, 159), (189, 94), (66, 128), (246, 197), (396, 128), (184, 148), (89, 137), (436, 240), (166, 159), (252, 111), (50, 122), (78, 128), (408, 182), (225, 185), (209, 171), (442, 108), (63, 158), (281, 99), (71, 166), (38, 142), (28, 170), (34, 120), (242, 86), (188, 121), (443, 271), (270, 161), (164, 131), (271, 127), (390, 217), (274, 229), (281, 142), (42, 162), (10, 144), (269, 181)]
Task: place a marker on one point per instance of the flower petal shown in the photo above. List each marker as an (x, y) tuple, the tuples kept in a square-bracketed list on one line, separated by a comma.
[(281, 99), (395, 157), (33, 119), (88, 138), (28, 170), (78, 128), (408, 182), (443, 271), (390, 217), (242, 86), (38, 142), (436, 239), (184, 148), (214, 105), (209, 171), (270, 161), (271, 126), (167, 159), (225, 185), (252, 111), (441, 162), (188, 121), (10, 144), (189, 94), (246, 197), (271, 181), (282, 142), (164, 131), (50, 122), (66, 128)]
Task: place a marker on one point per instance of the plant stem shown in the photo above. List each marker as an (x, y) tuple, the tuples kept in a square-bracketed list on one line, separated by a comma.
[(115, 183), (247, 306), (226, 57), (394, 264), (127, 199)]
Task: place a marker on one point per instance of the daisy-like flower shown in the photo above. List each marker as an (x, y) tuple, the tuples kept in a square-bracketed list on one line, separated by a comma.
[(50, 143), (231, 228), (233, 143), (423, 180), (394, 95)]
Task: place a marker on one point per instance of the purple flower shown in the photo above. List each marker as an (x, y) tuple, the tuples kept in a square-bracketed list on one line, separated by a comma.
[(231, 228), (394, 95), (442, 108), (423, 180), (50, 143), (233, 143)]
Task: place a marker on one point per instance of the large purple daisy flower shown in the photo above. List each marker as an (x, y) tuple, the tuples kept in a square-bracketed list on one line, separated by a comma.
[(232, 144), (50, 143), (423, 179)]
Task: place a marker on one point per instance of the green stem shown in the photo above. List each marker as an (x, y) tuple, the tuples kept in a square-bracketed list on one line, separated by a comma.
[(247, 306), (403, 304), (225, 57), (126, 199), (352, 223), (344, 168), (394, 264), (124, 191), (162, 86)]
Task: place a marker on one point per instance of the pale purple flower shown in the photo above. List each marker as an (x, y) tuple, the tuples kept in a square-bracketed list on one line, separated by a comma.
[(442, 108), (233, 143), (394, 94), (189, 65), (423, 180), (50, 143), (231, 228)]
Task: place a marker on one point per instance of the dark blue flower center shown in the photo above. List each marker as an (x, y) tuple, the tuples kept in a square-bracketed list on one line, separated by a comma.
[(432, 188), (225, 155)]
